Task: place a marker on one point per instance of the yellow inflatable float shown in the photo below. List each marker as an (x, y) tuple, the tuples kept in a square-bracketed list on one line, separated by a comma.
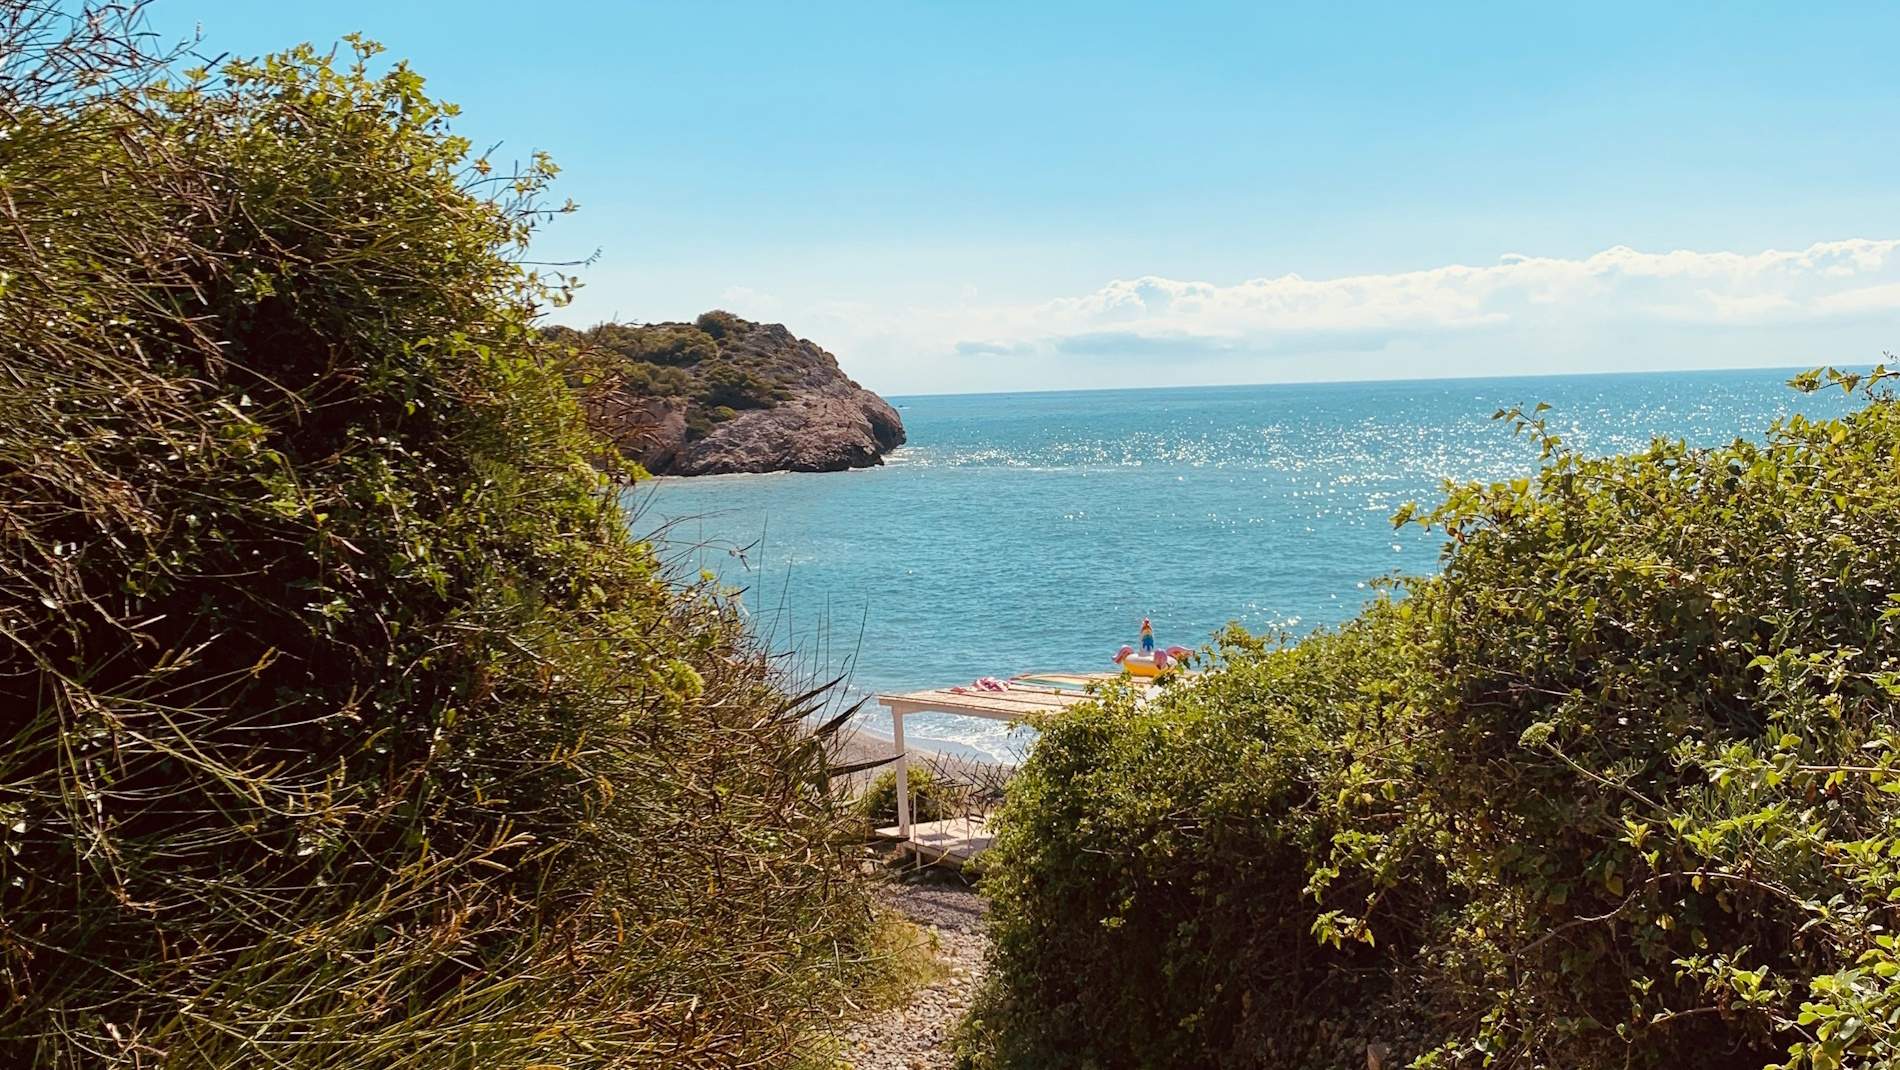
[(1149, 662)]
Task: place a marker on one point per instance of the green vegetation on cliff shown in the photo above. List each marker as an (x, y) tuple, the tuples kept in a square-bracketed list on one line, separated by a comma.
[(1620, 788), (680, 361), (342, 723)]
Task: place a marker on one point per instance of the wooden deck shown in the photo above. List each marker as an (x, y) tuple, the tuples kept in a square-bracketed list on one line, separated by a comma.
[(959, 840), (951, 842), (1021, 700)]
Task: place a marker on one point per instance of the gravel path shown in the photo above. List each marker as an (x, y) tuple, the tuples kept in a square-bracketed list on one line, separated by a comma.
[(916, 1036)]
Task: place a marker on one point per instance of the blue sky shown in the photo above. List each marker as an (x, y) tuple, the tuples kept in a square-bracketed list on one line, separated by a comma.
[(975, 196)]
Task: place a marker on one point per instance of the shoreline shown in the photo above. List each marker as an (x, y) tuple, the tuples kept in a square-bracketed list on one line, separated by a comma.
[(860, 744)]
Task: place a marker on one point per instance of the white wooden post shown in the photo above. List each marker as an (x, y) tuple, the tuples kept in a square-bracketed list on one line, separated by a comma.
[(903, 774)]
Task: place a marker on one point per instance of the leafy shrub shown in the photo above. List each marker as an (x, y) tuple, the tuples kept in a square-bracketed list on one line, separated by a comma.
[(1149, 878), (344, 724), (1617, 789), (932, 798), (912, 957), (726, 385), (655, 380), (669, 343), (719, 323), (648, 361)]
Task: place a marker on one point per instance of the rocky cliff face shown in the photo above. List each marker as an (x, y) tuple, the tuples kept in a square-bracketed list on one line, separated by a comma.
[(727, 395), (649, 430), (826, 430)]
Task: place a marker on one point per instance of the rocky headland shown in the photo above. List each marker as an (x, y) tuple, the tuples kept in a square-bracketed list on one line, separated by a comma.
[(724, 394)]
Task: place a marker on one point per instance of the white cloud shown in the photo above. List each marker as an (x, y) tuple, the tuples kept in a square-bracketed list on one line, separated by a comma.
[(1619, 309), (1618, 285), (1884, 297)]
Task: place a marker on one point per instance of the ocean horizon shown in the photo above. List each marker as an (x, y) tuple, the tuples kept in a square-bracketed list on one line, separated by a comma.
[(1785, 372), (1033, 531)]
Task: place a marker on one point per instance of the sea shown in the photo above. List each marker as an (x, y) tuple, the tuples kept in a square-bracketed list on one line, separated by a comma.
[(1035, 531)]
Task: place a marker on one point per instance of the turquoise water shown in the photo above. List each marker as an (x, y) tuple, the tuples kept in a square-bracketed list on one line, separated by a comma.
[(1019, 532)]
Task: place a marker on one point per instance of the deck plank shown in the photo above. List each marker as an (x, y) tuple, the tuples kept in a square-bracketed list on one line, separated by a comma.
[(954, 841), (1014, 702)]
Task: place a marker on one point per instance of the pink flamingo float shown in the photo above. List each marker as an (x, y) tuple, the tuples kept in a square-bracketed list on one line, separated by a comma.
[(1150, 662)]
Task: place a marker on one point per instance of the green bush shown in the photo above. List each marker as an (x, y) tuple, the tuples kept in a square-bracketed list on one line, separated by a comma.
[(655, 380), (1149, 877), (1617, 789), (681, 346), (932, 798), (671, 344), (645, 361), (719, 323), (726, 385), (344, 724)]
